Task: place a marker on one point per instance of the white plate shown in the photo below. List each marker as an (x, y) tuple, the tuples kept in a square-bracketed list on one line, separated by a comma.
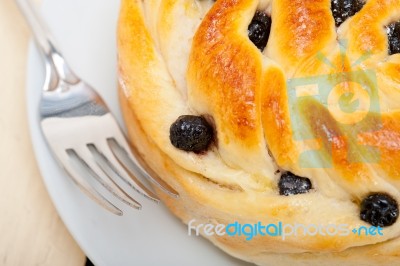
[(85, 31)]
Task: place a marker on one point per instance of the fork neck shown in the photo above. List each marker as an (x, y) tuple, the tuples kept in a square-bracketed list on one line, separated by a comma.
[(57, 70)]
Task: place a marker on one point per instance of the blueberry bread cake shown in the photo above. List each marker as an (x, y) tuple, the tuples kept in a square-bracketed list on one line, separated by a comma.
[(271, 112)]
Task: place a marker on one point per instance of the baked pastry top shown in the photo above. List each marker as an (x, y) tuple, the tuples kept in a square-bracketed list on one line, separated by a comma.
[(270, 110)]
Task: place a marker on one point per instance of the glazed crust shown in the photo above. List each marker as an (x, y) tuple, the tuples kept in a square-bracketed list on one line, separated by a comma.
[(181, 57)]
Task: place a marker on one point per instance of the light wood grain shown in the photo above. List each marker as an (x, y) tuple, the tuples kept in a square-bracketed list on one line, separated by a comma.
[(31, 233)]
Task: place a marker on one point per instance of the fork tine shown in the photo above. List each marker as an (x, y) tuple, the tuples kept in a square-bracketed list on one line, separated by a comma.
[(108, 157), (135, 164), (84, 186), (87, 158)]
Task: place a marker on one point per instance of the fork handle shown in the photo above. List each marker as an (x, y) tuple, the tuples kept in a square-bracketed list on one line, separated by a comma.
[(46, 43), (38, 27)]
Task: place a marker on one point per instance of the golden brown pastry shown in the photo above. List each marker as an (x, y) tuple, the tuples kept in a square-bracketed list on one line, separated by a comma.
[(271, 111)]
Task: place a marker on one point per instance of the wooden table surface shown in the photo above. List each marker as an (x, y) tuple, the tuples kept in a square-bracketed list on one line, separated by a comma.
[(31, 232)]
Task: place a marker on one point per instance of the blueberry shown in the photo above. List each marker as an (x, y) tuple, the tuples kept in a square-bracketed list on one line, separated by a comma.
[(393, 32), (191, 133), (259, 29), (343, 9), (379, 209), (291, 184)]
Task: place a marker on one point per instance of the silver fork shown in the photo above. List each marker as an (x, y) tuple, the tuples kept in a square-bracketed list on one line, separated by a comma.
[(83, 134)]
